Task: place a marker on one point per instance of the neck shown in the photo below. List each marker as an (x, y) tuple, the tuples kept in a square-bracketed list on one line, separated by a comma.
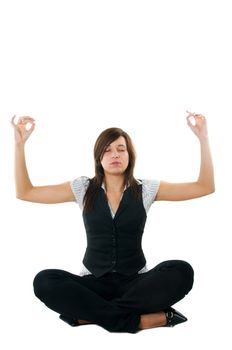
[(114, 183)]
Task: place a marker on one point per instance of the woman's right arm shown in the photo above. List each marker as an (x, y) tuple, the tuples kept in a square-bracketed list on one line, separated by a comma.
[(24, 188)]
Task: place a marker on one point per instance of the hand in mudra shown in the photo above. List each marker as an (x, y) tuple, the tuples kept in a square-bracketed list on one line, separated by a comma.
[(23, 128), (199, 124)]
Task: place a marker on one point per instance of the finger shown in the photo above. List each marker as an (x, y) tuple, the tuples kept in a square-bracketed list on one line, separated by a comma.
[(25, 120), (31, 129), (190, 117), (191, 114), (12, 120), (191, 121), (196, 116), (200, 117)]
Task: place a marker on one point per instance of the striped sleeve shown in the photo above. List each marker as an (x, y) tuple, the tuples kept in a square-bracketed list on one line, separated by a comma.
[(150, 189), (79, 187)]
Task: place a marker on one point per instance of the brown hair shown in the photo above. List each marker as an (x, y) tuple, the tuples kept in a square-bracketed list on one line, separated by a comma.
[(103, 141)]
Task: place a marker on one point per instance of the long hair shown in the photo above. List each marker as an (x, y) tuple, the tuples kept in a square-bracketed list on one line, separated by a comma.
[(103, 141)]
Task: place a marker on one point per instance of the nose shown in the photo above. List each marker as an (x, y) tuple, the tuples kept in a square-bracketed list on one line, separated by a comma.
[(115, 154)]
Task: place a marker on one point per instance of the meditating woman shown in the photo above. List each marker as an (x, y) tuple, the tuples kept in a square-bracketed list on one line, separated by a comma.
[(115, 290)]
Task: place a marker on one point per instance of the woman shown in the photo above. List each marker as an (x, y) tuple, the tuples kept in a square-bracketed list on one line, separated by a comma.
[(115, 290)]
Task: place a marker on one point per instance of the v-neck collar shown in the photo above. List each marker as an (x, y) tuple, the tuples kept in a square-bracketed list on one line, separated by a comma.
[(112, 214)]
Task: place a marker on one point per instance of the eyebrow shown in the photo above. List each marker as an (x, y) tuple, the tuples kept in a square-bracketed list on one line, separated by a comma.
[(119, 146)]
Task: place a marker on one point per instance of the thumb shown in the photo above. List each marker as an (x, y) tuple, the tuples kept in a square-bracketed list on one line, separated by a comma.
[(29, 131)]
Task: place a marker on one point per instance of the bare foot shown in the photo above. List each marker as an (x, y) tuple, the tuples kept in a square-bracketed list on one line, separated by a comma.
[(157, 319)]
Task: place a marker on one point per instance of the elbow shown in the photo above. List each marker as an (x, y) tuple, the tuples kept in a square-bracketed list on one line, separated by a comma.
[(210, 190), (206, 189), (22, 196), (213, 190), (24, 193), (206, 192)]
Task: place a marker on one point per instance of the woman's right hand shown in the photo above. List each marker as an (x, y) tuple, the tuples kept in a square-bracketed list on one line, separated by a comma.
[(22, 132)]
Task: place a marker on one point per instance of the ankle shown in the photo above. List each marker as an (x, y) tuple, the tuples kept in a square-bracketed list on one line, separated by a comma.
[(83, 322), (157, 319)]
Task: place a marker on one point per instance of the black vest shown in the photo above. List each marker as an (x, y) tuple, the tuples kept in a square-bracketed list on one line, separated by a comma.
[(115, 243)]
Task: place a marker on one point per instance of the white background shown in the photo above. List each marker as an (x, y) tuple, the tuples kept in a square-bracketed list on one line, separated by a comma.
[(79, 67)]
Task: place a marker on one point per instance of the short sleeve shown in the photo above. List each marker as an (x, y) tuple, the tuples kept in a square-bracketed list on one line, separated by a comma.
[(79, 187), (150, 189)]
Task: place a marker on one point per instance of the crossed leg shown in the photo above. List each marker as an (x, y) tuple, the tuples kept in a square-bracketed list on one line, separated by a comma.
[(126, 306)]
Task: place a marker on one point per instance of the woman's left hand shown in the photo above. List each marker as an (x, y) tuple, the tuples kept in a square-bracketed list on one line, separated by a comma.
[(199, 127)]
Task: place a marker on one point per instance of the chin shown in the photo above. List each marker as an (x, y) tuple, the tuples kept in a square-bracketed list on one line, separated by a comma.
[(116, 172)]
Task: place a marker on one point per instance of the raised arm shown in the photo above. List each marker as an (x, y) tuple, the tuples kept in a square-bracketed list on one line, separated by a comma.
[(204, 185), (24, 188)]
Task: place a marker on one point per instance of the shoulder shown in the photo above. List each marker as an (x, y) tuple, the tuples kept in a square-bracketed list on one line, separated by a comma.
[(79, 187), (149, 190), (81, 181), (150, 185)]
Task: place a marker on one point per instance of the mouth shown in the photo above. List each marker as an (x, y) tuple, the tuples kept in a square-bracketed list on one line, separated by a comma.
[(115, 163)]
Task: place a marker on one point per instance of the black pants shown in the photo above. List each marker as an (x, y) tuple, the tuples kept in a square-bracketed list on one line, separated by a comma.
[(114, 301)]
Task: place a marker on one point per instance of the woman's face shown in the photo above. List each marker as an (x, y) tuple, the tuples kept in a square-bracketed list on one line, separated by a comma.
[(115, 158)]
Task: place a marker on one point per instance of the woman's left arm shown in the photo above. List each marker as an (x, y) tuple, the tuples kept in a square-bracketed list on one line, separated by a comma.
[(205, 182)]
